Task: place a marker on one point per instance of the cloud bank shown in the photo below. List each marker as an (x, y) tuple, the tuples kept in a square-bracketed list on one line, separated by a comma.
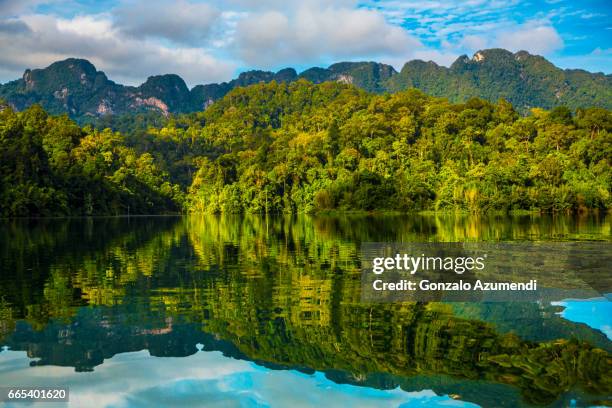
[(97, 38), (312, 33), (209, 41), (181, 22)]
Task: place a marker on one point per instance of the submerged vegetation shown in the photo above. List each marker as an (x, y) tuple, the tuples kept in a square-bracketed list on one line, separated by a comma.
[(299, 147)]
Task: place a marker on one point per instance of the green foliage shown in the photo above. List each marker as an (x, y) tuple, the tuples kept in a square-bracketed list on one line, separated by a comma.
[(300, 147), (523, 79), (75, 87), (50, 166)]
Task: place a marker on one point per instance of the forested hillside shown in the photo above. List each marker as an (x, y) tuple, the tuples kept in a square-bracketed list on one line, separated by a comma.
[(301, 147), (51, 166), (75, 87), (525, 80)]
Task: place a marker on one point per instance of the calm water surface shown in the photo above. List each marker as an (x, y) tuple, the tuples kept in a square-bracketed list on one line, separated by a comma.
[(256, 311)]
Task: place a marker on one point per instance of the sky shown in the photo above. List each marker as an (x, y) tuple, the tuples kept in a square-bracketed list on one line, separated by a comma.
[(214, 40), (203, 379)]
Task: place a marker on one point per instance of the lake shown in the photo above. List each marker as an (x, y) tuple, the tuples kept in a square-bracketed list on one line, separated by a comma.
[(266, 311)]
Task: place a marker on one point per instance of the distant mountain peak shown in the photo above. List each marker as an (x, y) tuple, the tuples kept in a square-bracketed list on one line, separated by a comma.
[(79, 65), (464, 59), (521, 55), (165, 82), (65, 77), (75, 86), (479, 56)]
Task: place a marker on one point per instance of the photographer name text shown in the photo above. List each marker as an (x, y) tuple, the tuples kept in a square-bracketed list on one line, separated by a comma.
[(478, 285)]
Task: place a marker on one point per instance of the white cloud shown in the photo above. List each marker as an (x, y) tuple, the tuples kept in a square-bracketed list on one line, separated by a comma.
[(14, 8), (204, 379), (96, 38), (467, 26), (598, 60), (311, 34), (205, 41), (588, 16), (537, 39), (440, 57), (182, 22), (473, 42), (80, 26), (284, 6)]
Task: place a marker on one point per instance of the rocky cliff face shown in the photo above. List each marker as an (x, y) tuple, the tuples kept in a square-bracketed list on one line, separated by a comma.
[(74, 86)]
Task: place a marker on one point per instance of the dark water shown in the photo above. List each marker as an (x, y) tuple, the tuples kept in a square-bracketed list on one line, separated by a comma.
[(255, 311)]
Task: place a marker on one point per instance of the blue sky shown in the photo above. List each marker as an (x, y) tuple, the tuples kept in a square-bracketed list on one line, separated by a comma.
[(204, 379), (211, 41)]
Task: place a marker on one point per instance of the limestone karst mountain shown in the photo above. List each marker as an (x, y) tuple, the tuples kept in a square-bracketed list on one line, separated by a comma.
[(74, 86)]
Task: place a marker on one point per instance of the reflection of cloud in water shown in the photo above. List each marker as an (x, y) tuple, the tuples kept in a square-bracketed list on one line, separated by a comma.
[(203, 379), (594, 312)]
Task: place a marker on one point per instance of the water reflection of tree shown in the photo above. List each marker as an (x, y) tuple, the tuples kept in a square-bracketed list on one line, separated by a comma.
[(283, 292)]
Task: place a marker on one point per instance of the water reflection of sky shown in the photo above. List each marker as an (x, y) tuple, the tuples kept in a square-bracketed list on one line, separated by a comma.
[(594, 312), (203, 379)]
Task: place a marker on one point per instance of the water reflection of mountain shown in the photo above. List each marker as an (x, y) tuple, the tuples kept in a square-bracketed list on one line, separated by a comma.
[(285, 293), (447, 350)]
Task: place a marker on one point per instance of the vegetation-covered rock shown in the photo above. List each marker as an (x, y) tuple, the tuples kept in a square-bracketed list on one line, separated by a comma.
[(74, 86)]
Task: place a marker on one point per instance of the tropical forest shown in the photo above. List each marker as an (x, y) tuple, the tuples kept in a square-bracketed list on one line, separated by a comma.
[(299, 147)]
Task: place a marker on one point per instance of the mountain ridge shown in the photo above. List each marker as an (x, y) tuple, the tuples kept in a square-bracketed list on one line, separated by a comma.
[(76, 87)]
